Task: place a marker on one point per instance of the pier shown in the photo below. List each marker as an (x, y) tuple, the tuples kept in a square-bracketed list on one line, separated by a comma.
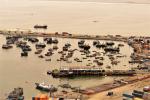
[(66, 35)]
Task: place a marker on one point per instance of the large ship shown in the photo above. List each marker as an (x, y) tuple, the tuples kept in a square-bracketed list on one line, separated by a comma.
[(69, 72)]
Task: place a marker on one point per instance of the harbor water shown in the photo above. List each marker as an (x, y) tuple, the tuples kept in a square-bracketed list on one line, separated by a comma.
[(26, 71)]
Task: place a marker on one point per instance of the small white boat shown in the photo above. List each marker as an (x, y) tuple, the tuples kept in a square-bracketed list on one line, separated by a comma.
[(44, 87)]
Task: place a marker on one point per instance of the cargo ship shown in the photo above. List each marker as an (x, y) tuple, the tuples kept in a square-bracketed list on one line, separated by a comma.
[(70, 72)]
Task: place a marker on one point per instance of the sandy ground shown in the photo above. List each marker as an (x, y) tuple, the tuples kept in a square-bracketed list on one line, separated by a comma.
[(119, 91)]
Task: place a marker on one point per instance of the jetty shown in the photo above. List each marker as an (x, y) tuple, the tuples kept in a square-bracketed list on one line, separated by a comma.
[(65, 35)]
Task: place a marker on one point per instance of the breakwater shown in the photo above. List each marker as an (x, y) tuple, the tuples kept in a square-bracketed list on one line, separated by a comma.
[(66, 35)]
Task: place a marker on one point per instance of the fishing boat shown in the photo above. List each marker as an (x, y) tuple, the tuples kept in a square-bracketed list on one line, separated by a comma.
[(16, 94), (40, 45), (110, 43), (33, 40), (146, 89), (38, 51), (67, 45), (81, 42), (55, 47), (49, 54), (111, 49), (100, 45), (40, 26), (48, 40), (24, 54), (26, 48), (21, 44), (49, 72), (6, 46), (41, 56), (84, 58), (79, 60), (58, 59), (65, 85), (47, 59), (55, 41), (120, 45), (44, 87), (95, 42)]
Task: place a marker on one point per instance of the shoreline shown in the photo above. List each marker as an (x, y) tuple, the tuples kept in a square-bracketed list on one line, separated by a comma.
[(120, 90), (102, 95), (123, 82)]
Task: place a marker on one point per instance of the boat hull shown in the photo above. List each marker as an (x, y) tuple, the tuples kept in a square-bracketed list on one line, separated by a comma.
[(41, 88)]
